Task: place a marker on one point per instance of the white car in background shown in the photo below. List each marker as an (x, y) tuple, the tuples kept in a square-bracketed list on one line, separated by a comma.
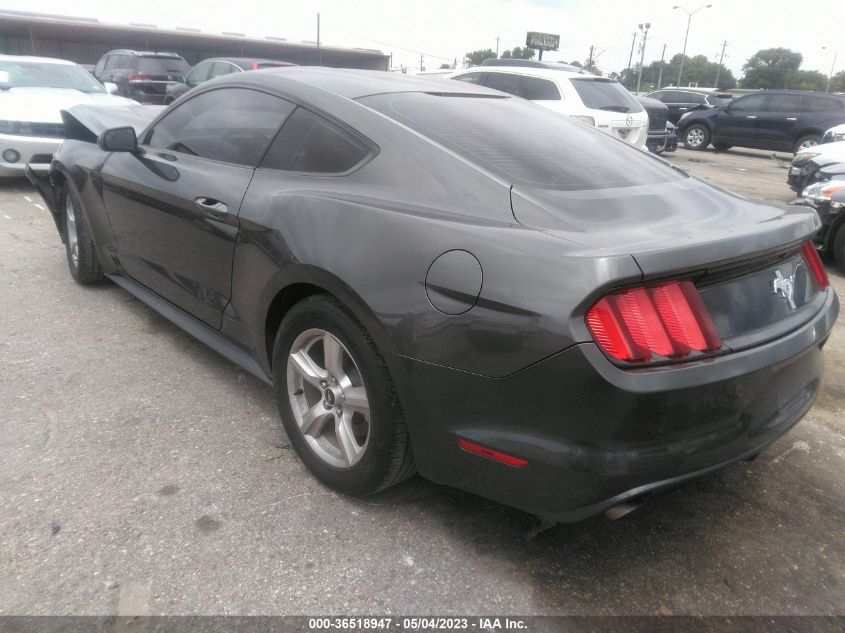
[(834, 134), (597, 101), (33, 91)]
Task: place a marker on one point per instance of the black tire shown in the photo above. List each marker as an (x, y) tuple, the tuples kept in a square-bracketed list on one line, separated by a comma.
[(722, 147), (839, 247), (697, 137), (386, 459), (82, 260), (809, 138)]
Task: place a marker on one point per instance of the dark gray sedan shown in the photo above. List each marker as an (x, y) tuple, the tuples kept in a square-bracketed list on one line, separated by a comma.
[(442, 278)]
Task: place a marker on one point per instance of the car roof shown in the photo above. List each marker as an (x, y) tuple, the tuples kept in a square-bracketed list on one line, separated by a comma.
[(40, 60), (238, 61), (534, 71), (531, 63), (144, 53), (353, 83)]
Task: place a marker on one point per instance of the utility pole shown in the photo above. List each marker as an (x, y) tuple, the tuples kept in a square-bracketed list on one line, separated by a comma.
[(319, 52), (721, 59), (497, 47), (590, 60), (660, 74), (421, 62), (832, 66), (631, 56), (647, 26)]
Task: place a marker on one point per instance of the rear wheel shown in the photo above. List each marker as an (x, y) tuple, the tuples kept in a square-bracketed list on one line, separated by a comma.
[(722, 147), (82, 257), (337, 401), (839, 247), (697, 137), (806, 142)]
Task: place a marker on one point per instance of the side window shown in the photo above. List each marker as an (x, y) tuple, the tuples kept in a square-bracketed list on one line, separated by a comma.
[(98, 69), (232, 125), (697, 97), (124, 62), (535, 89), (657, 95), (815, 103), (506, 82), (110, 62), (310, 143), (199, 73), (472, 78), (221, 68), (751, 103), (783, 103)]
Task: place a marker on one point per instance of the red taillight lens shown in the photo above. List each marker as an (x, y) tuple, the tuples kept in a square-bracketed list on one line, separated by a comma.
[(666, 320), (811, 256), (137, 77), (255, 65), (489, 453)]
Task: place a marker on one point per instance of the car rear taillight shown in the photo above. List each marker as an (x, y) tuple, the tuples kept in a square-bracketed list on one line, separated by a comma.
[(255, 65), (665, 321), (811, 256), (138, 77)]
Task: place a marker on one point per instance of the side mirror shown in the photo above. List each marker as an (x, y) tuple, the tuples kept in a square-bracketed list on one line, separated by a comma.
[(111, 87), (118, 139)]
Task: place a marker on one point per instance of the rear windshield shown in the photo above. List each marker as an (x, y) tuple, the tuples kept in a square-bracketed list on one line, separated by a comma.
[(523, 142), (605, 95), (163, 66)]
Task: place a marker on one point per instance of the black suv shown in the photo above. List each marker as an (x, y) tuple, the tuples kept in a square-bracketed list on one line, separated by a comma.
[(778, 120), (680, 101), (140, 75)]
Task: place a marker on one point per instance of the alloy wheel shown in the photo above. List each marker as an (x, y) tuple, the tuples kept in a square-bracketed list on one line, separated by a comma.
[(807, 145), (328, 398), (72, 235), (695, 137)]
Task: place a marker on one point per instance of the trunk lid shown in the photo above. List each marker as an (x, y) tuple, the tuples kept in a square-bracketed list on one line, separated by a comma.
[(744, 257)]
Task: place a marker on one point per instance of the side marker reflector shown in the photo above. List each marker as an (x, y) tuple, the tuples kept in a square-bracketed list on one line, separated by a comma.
[(489, 453)]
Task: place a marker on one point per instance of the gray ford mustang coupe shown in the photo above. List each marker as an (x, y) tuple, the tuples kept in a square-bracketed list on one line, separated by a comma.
[(442, 278)]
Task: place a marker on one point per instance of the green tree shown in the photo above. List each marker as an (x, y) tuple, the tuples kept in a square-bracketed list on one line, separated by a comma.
[(770, 68), (519, 53), (575, 62), (806, 80), (476, 57), (445, 66), (698, 70), (837, 82)]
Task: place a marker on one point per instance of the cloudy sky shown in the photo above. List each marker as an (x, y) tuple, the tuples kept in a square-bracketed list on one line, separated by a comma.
[(445, 29)]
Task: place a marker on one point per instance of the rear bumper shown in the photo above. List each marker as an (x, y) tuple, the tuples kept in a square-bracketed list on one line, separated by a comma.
[(595, 435), (36, 151)]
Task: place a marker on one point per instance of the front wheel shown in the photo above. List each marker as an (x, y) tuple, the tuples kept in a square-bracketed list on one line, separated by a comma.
[(697, 137), (82, 257), (337, 400)]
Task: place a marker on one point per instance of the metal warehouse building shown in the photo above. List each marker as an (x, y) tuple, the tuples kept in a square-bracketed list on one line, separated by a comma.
[(84, 40)]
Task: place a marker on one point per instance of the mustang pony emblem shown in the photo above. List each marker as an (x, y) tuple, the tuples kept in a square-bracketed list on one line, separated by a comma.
[(785, 287)]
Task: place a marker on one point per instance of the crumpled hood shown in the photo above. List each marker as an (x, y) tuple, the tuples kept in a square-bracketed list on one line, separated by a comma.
[(664, 226), (44, 105), (828, 153)]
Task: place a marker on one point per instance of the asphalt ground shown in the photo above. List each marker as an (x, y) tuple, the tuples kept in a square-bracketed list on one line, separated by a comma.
[(141, 473)]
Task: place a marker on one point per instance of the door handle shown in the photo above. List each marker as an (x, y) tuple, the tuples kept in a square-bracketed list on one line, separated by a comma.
[(681, 109), (210, 205), (792, 118), (751, 116)]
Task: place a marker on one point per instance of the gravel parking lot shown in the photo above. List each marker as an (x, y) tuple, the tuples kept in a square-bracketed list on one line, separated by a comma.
[(142, 473)]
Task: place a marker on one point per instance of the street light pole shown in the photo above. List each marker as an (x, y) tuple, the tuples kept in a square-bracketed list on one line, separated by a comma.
[(647, 26), (832, 66), (686, 37)]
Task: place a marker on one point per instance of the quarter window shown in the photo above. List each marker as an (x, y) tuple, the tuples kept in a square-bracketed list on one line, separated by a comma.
[(231, 125), (471, 78), (309, 143)]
